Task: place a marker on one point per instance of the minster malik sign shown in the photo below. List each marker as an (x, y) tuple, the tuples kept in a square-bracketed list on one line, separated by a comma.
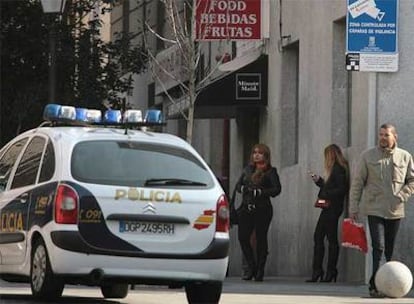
[(228, 19)]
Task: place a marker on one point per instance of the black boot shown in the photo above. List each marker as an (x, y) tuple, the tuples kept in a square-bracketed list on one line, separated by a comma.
[(373, 291), (246, 270), (259, 275), (250, 270), (249, 263), (260, 267), (331, 275), (248, 275), (316, 276)]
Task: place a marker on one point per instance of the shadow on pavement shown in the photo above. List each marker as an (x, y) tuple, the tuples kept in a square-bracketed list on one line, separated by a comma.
[(18, 298), (277, 286)]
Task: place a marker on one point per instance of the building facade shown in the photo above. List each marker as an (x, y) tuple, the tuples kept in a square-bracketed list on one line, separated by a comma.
[(301, 99)]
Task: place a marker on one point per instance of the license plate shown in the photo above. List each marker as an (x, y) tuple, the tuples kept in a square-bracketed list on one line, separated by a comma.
[(146, 228)]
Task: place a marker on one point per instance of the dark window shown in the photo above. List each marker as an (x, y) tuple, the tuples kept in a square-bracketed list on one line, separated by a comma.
[(132, 164), (48, 165), (125, 16), (7, 161), (201, 68), (151, 95), (341, 88), (29, 164), (161, 22)]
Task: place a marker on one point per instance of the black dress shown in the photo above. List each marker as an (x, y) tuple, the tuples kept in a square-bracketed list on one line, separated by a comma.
[(335, 190), (255, 214)]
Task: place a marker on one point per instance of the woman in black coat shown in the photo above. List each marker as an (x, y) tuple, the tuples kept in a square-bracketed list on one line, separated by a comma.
[(334, 188), (258, 182)]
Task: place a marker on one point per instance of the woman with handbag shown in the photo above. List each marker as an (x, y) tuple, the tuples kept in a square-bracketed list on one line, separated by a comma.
[(258, 182), (331, 197)]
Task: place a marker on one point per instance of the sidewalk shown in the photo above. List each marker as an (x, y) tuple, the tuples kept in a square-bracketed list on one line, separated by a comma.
[(274, 290), (277, 290)]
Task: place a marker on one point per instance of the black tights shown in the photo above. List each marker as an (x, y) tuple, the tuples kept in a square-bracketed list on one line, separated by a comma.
[(327, 226), (258, 221)]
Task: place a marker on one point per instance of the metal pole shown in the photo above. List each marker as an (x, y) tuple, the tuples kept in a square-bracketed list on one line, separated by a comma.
[(1, 138), (52, 64)]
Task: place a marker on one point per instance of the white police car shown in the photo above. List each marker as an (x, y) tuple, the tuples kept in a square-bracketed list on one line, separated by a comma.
[(105, 206)]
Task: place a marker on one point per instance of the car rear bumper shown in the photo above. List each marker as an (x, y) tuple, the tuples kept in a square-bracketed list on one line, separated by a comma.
[(73, 241), (96, 269)]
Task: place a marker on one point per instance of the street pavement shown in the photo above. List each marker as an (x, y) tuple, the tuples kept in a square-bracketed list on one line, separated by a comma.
[(293, 290), (274, 290)]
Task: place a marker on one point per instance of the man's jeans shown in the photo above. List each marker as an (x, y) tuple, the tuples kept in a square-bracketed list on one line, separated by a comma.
[(383, 233)]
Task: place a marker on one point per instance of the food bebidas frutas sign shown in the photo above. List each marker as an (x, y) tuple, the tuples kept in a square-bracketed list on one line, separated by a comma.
[(228, 19)]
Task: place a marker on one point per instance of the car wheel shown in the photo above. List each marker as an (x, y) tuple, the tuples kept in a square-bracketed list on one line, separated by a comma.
[(115, 291), (203, 292), (43, 283)]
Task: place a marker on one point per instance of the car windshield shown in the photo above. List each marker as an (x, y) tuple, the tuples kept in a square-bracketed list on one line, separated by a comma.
[(135, 164)]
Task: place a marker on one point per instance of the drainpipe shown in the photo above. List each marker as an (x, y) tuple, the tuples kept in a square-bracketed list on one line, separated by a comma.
[(371, 141), (372, 110)]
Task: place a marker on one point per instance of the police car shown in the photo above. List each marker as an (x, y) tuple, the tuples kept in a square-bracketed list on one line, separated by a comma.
[(85, 201)]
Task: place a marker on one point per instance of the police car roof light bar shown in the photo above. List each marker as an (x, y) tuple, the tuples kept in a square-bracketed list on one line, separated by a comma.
[(68, 115)]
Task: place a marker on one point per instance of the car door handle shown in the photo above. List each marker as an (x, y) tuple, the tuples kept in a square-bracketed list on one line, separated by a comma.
[(23, 198)]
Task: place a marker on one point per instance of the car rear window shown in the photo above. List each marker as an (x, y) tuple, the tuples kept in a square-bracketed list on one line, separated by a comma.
[(135, 164)]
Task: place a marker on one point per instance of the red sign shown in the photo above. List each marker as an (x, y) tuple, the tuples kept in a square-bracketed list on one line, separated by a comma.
[(228, 19)]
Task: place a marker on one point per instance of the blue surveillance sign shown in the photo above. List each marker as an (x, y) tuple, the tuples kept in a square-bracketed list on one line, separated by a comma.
[(372, 35)]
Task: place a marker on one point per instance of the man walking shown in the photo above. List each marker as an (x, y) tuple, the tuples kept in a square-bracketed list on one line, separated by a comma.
[(382, 184)]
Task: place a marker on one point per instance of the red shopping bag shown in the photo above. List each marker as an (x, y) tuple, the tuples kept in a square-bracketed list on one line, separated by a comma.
[(353, 235)]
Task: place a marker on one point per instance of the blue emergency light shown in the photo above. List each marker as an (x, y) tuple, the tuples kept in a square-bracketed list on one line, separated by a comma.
[(88, 115), (62, 114), (113, 116), (51, 110), (81, 114), (154, 116)]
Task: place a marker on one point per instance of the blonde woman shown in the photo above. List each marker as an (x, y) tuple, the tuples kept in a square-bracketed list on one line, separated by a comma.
[(333, 187)]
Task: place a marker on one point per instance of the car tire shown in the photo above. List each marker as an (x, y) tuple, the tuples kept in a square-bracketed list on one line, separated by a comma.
[(43, 282), (203, 292), (115, 291)]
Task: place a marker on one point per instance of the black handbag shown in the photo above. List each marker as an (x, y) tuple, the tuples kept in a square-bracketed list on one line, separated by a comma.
[(233, 212)]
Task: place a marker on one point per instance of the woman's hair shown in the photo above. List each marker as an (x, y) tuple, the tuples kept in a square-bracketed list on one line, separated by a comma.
[(266, 153), (259, 172), (333, 154)]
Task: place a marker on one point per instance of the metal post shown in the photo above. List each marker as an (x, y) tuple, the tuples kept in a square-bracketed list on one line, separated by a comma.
[(53, 7), (1, 138), (52, 64)]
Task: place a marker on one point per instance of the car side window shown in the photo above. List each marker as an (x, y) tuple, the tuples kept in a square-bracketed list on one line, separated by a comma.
[(48, 164), (8, 160), (26, 172)]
